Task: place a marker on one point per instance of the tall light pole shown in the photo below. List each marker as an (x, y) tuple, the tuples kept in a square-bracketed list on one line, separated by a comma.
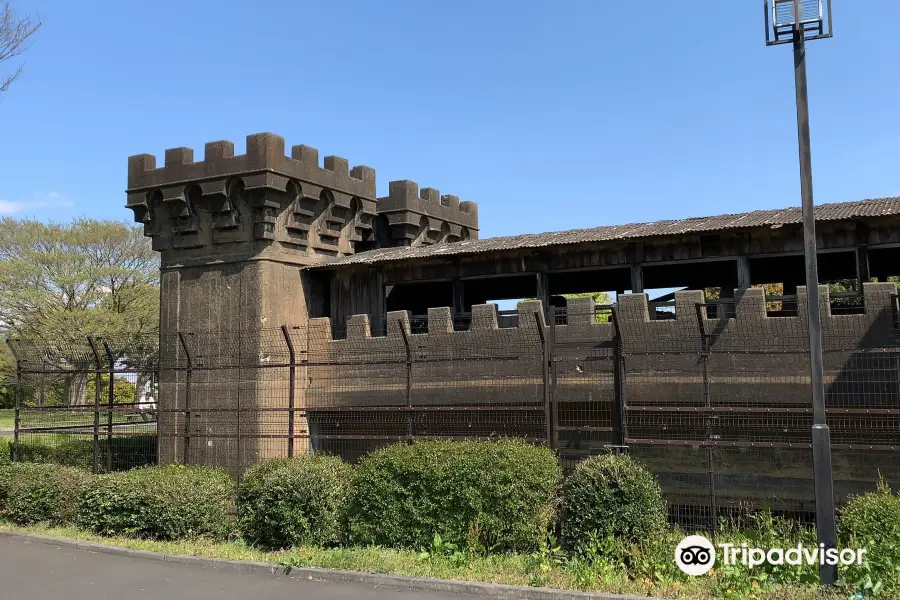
[(794, 22)]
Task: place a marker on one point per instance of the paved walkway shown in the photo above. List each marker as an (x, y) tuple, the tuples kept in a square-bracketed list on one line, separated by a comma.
[(38, 571)]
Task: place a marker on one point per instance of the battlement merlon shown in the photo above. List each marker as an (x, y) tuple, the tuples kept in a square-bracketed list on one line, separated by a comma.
[(263, 195), (407, 204), (749, 320), (264, 166), (265, 154)]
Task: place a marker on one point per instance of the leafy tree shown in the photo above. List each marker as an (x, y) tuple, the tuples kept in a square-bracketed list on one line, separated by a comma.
[(7, 377), (895, 279), (123, 390), (59, 283), (15, 37)]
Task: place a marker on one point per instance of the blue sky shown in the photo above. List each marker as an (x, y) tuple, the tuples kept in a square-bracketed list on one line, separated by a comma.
[(549, 115)]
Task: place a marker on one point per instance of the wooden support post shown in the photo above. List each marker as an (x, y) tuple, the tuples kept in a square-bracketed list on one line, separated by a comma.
[(459, 300), (743, 272), (637, 279), (862, 266)]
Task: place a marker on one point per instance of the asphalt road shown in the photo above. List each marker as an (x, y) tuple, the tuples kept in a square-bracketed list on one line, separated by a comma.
[(39, 571)]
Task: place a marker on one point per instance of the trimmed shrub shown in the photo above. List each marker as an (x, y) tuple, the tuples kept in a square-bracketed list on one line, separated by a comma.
[(77, 452), (490, 495), (164, 503), (128, 452), (293, 501), (611, 496), (6, 475), (872, 521), (40, 493)]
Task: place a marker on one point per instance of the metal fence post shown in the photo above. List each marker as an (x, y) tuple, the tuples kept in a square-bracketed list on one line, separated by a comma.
[(95, 466), (545, 374), (291, 387), (405, 334), (17, 423), (111, 402), (187, 400), (551, 360), (707, 403), (619, 426)]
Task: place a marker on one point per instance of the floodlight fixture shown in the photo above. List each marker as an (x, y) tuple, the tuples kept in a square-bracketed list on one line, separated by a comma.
[(811, 17)]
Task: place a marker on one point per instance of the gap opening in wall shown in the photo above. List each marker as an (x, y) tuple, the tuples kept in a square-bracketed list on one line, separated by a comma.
[(505, 291), (780, 276), (564, 309), (508, 311), (662, 281), (661, 302), (884, 264), (603, 285), (417, 298), (778, 304)]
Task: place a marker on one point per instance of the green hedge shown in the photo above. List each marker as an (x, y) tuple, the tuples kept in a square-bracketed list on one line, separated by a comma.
[(494, 495), (77, 452), (38, 493), (127, 452), (165, 503), (6, 475), (294, 501), (872, 521), (611, 495)]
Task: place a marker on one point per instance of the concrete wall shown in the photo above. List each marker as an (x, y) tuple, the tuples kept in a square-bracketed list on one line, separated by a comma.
[(231, 393), (729, 395)]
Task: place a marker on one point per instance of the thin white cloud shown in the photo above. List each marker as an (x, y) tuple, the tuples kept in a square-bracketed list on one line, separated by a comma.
[(7, 207), (36, 201)]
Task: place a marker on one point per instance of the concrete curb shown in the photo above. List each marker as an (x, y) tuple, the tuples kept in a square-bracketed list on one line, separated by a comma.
[(487, 590)]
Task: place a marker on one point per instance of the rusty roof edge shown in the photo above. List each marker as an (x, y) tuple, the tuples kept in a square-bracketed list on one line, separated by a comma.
[(628, 231)]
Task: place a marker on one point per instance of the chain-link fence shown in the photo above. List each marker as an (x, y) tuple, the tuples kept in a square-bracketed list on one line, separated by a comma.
[(88, 402), (714, 397)]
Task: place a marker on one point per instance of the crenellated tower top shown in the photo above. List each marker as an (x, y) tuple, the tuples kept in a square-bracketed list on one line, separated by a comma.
[(266, 204)]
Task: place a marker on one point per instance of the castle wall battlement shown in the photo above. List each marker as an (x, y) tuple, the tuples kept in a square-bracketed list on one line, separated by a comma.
[(243, 201), (760, 360), (308, 208), (265, 153), (748, 328), (420, 217)]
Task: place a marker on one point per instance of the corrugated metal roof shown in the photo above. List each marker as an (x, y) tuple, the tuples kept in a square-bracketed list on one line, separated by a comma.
[(877, 207)]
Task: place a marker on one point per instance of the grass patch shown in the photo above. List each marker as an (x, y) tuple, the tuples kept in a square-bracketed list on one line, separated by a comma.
[(60, 417), (540, 568)]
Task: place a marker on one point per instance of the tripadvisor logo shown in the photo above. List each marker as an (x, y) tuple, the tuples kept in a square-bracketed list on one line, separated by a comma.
[(696, 555)]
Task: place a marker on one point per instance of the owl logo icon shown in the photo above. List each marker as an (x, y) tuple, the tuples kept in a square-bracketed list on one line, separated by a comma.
[(695, 555)]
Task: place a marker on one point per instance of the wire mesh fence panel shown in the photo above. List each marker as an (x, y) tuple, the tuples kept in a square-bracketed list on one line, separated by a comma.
[(233, 399), (723, 415), (87, 403), (438, 378), (356, 384), (714, 399), (585, 392)]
